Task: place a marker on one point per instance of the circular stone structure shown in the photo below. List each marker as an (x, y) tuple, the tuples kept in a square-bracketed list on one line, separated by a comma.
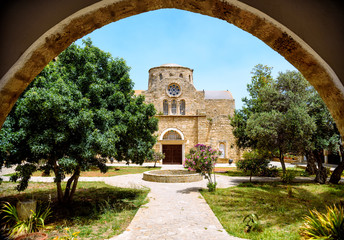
[(171, 176)]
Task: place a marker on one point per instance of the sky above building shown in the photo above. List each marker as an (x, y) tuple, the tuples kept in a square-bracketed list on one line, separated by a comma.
[(221, 54)]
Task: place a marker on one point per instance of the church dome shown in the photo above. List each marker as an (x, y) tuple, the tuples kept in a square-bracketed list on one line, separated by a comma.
[(171, 65)]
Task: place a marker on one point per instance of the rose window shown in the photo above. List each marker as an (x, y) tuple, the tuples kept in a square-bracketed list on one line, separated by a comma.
[(173, 90)]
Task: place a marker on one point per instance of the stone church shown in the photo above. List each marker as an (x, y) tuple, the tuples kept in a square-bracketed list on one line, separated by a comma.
[(188, 117)]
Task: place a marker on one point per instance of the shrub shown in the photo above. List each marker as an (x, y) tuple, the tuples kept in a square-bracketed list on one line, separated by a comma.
[(268, 172), (329, 225), (288, 176), (253, 163), (157, 156), (252, 223), (202, 159)]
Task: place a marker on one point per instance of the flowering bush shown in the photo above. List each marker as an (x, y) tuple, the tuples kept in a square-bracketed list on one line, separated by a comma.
[(202, 159)]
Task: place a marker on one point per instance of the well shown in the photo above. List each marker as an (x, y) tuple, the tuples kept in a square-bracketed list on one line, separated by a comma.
[(172, 176)]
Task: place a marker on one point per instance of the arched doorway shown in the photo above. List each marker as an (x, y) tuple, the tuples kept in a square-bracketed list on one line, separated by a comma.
[(172, 144), (277, 26)]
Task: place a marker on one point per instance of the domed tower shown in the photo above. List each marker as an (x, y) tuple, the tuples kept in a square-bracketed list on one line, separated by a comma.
[(169, 72)]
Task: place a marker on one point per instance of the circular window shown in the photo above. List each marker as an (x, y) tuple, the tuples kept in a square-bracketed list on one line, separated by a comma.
[(173, 90)]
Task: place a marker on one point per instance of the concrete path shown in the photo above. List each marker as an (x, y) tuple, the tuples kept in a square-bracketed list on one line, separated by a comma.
[(174, 211)]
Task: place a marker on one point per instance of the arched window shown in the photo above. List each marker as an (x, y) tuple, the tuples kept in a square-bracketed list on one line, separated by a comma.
[(160, 76), (222, 148), (174, 107), (182, 107), (172, 135), (181, 75), (165, 107)]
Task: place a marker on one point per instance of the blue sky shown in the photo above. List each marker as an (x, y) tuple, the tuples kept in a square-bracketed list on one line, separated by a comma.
[(221, 54)]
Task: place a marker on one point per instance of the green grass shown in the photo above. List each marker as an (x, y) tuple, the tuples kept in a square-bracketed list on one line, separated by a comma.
[(98, 211), (112, 171), (234, 172), (280, 214)]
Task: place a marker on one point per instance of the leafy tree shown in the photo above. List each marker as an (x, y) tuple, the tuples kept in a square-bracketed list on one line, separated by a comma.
[(79, 112), (326, 136), (283, 125), (280, 113), (261, 77)]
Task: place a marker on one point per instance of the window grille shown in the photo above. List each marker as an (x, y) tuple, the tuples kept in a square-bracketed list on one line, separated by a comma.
[(182, 107), (174, 107), (165, 107), (172, 135)]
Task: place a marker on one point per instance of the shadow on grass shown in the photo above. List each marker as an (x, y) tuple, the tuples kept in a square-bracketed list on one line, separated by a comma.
[(90, 201)]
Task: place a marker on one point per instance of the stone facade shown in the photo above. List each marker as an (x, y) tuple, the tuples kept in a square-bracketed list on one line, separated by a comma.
[(188, 117)]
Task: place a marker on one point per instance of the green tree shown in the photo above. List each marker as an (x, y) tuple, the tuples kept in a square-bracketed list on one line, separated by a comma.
[(280, 112), (261, 77), (79, 112), (282, 124), (326, 136)]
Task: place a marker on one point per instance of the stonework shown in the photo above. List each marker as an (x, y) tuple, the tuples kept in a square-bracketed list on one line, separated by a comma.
[(188, 117)]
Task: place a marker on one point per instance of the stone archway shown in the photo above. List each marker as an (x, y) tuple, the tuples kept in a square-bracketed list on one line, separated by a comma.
[(100, 13)]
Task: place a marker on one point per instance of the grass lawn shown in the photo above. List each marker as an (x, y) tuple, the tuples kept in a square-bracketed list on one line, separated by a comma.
[(99, 211), (112, 171), (280, 214)]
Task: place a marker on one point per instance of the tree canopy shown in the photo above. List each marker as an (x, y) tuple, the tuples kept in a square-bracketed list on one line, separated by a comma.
[(78, 112), (284, 115)]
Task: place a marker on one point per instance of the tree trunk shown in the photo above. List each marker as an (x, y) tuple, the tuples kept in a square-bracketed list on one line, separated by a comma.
[(321, 174), (68, 195), (311, 167), (74, 188), (336, 175), (58, 182), (281, 157)]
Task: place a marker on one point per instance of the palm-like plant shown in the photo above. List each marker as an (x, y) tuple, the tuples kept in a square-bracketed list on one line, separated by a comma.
[(18, 226), (329, 225)]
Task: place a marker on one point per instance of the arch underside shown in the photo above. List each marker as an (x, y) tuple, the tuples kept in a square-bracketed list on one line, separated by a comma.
[(79, 24)]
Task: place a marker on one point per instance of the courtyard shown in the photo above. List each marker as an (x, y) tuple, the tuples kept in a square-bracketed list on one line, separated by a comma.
[(126, 207)]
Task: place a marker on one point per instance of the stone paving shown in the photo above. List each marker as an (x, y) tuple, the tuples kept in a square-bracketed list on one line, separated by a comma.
[(174, 211)]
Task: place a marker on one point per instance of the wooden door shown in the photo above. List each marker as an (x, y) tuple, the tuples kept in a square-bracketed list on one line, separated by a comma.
[(173, 154)]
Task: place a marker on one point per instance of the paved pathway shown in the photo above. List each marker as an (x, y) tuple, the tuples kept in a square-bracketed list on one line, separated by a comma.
[(174, 211)]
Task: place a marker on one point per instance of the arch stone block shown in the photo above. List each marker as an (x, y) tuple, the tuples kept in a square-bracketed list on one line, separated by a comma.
[(304, 33)]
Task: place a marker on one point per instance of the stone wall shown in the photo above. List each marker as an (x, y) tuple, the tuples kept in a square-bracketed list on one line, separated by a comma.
[(205, 121)]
